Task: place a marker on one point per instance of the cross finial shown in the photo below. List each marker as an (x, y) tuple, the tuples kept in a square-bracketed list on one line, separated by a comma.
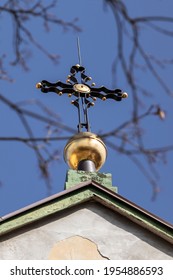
[(85, 94)]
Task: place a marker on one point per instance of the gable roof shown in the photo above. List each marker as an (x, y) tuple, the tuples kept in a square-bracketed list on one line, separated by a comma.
[(86, 191)]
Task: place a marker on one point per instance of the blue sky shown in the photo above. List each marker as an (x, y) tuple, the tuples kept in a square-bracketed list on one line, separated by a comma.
[(21, 182)]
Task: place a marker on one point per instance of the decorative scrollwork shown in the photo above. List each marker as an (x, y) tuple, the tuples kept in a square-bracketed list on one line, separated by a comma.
[(85, 93)]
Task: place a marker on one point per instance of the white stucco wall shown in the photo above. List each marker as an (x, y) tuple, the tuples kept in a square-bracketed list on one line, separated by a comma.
[(115, 236)]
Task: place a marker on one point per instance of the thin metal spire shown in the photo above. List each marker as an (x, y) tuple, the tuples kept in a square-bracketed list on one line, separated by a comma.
[(79, 51)]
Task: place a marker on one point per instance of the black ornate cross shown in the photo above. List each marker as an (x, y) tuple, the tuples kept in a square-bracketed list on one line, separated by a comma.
[(86, 94)]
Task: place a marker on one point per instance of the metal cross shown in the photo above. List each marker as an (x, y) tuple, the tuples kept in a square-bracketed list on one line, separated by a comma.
[(85, 94)]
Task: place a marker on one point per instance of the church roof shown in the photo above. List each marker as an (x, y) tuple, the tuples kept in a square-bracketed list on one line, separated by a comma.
[(86, 191)]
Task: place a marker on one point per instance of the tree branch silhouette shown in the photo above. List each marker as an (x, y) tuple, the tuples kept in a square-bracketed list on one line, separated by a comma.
[(125, 139)]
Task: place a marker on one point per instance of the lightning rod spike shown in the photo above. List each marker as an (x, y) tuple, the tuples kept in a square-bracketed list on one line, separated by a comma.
[(79, 52)]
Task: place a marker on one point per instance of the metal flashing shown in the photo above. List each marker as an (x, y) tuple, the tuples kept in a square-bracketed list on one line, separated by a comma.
[(89, 190)]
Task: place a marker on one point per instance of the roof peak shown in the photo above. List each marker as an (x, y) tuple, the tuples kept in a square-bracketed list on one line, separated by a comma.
[(75, 177)]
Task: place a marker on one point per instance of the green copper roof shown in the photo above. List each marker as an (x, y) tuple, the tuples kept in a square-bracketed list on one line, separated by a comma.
[(89, 190)]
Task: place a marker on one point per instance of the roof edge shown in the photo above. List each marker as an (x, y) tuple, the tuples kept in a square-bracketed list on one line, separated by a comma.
[(76, 195)]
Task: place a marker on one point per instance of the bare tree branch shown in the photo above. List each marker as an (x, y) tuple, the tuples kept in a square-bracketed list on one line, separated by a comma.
[(20, 14), (128, 136)]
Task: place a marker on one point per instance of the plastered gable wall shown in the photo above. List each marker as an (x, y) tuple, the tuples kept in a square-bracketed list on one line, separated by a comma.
[(101, 233)]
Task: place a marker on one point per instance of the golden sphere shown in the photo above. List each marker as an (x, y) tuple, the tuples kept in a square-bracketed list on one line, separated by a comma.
[(85, 146), (124, 95), (39, 85)]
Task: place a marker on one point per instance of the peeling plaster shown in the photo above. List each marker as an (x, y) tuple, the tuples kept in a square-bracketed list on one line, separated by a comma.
[(76, 248)]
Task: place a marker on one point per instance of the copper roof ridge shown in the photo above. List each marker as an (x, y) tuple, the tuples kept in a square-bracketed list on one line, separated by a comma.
[(125, 200), (80, 187), (43, 201)]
